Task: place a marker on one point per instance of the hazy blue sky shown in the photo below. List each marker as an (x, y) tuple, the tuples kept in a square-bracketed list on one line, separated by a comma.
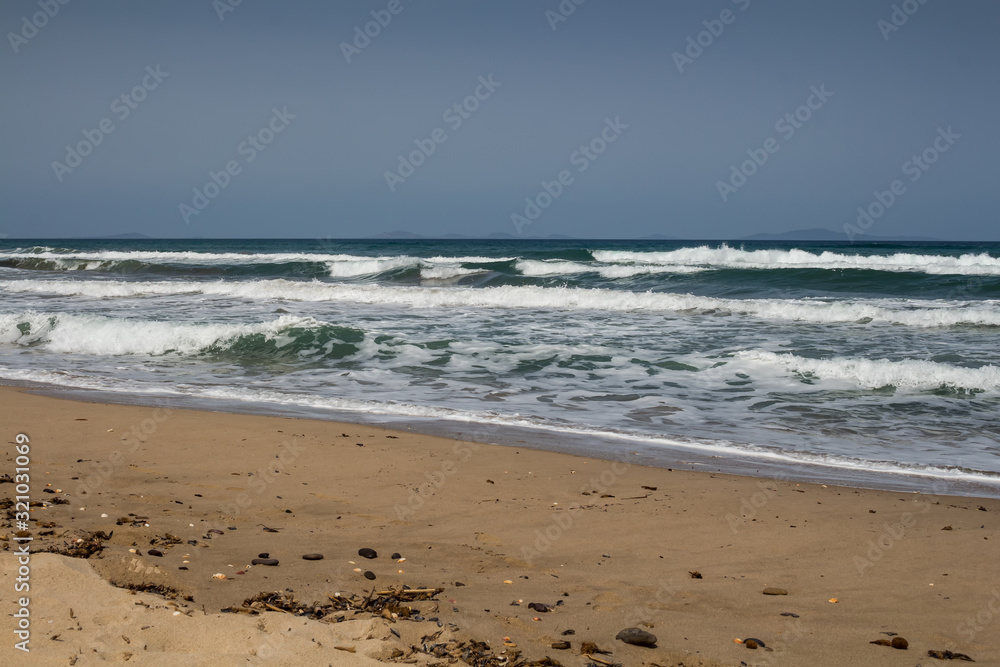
[(893, 93)]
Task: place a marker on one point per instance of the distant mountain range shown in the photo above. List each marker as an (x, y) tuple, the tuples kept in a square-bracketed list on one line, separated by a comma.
[(820, 234), (815, 234)]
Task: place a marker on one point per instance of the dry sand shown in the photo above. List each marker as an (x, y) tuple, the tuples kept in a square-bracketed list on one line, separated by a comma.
[(496, 527)]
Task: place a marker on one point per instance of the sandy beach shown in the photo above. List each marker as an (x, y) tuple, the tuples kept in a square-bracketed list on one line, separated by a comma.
[(529, 549)]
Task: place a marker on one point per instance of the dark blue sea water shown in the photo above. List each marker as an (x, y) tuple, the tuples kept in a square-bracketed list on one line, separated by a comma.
[(822, 356)]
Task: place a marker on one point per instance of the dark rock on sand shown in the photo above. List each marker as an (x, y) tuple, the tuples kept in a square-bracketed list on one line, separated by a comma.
[(540, 607), (369, 574), (264, 555), (900, 643), (637, 637), (264, 561), (395, 556), (155, 552), (775, 591), (312, 557), (367, 553)]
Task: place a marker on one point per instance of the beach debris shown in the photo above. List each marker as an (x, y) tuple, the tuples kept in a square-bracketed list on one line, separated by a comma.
[(349, 649), (590, 648), (753, 642), (369, 575), (649, 488), (775, 591), (365, 552), (215, 531), (264, 554), (540, 607), (895, 642), (695, 574), (833, 600), (750, 643), (264, 561), (561, 645), (155, 552), (981, 508), (312, 557), (218, 575), (947, 528), (507, 581), (395, 556), (788, 613), (133, 520), (84, 547), (268, 529), (637, 637), (948, 655)]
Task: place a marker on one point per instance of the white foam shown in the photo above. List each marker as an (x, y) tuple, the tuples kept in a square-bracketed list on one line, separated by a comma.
[(735, 258), (876, 373), (543, 268), (917, 313), (711, 447), (99, 335)]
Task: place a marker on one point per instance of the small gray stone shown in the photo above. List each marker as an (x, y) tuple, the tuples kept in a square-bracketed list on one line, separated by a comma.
[(637, 637)]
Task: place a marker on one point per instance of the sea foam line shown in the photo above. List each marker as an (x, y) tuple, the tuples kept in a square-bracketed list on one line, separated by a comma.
[(916, 313)]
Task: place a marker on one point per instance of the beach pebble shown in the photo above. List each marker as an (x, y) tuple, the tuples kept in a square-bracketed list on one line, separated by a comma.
[(900, 643), (637, 637), (264, 555), (155, 552), (365, 552), (775, 591), (369, 574), (395, 556), (312, 557), (264, 561), (539, 607)]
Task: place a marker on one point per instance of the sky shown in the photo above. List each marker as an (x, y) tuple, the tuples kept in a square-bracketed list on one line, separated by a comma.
[(713, 119)]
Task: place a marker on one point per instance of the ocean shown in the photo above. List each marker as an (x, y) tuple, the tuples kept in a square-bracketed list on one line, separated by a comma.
[(876, 365)]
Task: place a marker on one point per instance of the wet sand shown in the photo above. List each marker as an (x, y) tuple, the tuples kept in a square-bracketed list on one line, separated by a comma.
[(607, 545)]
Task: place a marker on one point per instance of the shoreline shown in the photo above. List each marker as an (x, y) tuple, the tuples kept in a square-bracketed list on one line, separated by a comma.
[(497, 528), (694, 457)]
